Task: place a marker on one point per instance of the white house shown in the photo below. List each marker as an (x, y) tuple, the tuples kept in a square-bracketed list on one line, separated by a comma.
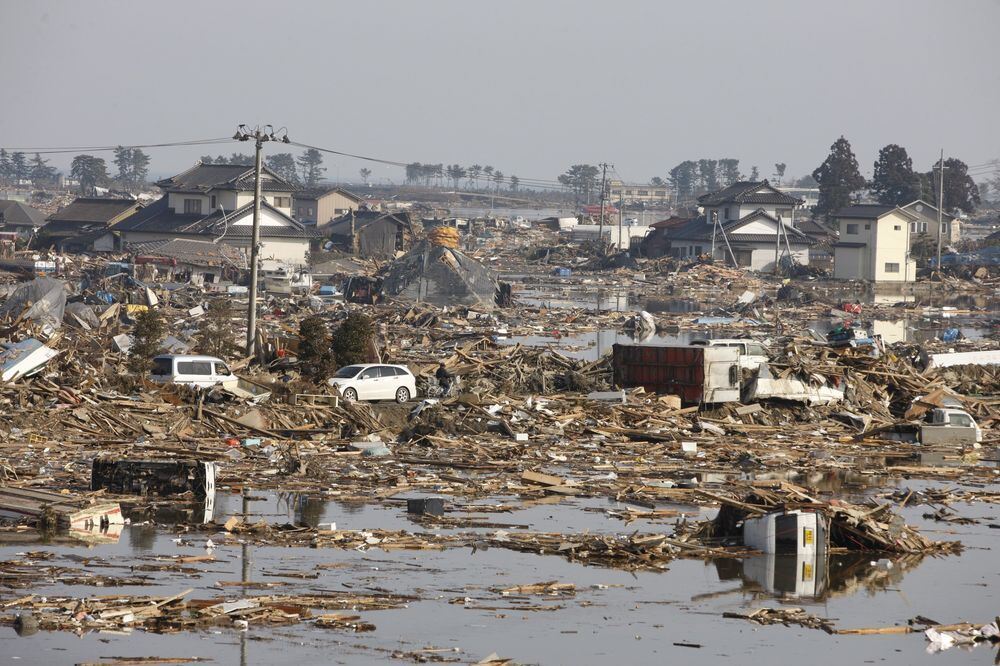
[(874, 244), (754, 217), (214, 202)]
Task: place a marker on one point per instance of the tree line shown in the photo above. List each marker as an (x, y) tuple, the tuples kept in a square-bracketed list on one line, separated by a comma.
[(476, 177), (894, 181), (16, 168)]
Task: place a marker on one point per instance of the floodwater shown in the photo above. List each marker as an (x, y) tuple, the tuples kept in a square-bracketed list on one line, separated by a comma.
[(615, 615)]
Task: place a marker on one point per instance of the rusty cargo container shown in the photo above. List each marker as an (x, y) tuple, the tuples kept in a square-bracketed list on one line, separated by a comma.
[(696, 374)]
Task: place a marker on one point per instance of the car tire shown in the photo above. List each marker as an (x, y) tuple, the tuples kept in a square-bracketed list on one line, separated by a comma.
[(350, 394), (402, 394)]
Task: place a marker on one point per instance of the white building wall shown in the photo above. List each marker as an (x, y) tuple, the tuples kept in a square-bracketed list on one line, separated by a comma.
[(892, 246)]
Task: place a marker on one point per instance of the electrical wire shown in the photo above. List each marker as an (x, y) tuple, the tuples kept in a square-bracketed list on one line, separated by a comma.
[(95, 149)]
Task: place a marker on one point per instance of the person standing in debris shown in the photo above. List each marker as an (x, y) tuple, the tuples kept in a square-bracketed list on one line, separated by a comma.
[(444, 378)]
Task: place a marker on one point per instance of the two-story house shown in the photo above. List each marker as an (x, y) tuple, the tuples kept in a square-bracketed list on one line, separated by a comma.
[(754, 217), (319, 207), (924, 229), (874, 244), (214, 202)]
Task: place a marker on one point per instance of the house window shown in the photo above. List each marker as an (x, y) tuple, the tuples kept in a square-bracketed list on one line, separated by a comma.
[(725, 213), (212, 205), (896, 227), (192, 206), (697, 250), (282, 202), (868, 227), (852, 230), (891, 268), (643, 193), (310, 210)]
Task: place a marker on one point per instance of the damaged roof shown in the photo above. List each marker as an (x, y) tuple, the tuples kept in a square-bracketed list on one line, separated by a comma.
[(188, 251), (700, 230), (17, 214)]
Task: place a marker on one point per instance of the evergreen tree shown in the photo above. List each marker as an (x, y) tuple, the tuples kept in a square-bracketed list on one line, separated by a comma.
[(317, 360), (353, 340), (754, 174), (960, 191), (215, 336), (207, 159), (729, 171), (41, 172), (90, 171), (838, 177), (283, 164), (147, 335), (779, 171), (708, 174), (139, 168), (683, 178), (309, 163), (455, 172), (366, 173), (580, 178), (6, 168), (893, 182), (515, 183), (19, 169)]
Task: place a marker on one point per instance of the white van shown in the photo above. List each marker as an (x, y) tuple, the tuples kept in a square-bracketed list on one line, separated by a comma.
[(752, 353), (200, 371)]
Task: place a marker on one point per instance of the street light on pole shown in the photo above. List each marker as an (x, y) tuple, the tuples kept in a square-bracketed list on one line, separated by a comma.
[(258, 135)]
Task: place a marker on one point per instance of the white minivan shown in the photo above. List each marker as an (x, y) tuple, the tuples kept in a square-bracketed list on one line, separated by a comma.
[(369, 381), (200, 371)]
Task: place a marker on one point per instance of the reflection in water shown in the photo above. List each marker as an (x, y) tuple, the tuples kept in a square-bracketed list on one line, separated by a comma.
[(816, 576)]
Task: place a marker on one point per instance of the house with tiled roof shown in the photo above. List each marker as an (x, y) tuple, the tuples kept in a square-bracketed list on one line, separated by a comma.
[(20, 218), (83, 225), (874, 244), (748, 221), (214, 203)]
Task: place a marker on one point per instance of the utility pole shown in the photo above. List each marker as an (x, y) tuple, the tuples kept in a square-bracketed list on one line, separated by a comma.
[(604, 177), (621, 213), (940, 207), (259, 136)]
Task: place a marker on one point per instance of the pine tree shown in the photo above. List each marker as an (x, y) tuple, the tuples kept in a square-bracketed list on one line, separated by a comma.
[(893, 181), (317, 360), (147, 335), (960, 191), (41, 172), (215, 336), (309, 163), (353, 340), (283, 164), (838, 177), (6, 167), (19, 169)]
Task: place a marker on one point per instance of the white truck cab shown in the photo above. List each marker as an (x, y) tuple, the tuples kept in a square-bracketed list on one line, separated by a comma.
[(948, 425), (752, 353), (199, 371)]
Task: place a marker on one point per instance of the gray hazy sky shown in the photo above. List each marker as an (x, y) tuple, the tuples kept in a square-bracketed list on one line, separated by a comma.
[(529, 87)]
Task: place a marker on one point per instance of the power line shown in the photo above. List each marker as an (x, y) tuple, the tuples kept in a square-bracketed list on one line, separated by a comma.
[(95, 149)]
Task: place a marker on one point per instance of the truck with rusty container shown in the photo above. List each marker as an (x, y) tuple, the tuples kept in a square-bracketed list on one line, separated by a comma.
[(698, 375)]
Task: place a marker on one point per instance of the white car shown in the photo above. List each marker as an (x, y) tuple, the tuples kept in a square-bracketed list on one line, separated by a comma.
[(752, 353), (375, 382), (199, 371)]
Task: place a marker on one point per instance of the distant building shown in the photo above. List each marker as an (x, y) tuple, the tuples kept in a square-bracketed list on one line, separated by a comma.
[(631, 193), (874, 244), (371, 234), (808, 195), (320, 207), (20, 218), (753, 216), (926, 224), (195, 261), (214, 202), (83, 225)]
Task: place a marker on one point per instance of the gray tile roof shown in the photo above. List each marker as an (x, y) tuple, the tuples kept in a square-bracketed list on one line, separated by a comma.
[(17, 214), (206, 177), (92, 211), (698, 229), (158, 217), (748, 192), (188, 251)]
